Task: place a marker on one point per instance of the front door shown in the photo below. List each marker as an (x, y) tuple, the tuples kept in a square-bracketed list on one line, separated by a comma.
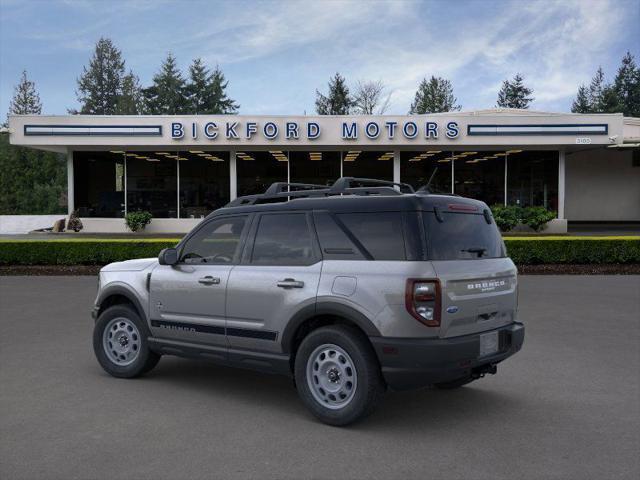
[(278, 276), (187, 300)]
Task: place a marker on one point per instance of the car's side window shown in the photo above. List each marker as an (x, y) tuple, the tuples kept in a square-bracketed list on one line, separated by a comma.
[(283, 239), (217, 242)]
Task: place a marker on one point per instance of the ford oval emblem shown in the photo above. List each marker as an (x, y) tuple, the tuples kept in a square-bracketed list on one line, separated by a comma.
[(452, 309)]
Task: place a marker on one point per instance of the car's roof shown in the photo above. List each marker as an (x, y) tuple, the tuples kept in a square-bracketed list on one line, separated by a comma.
[(362, 203)]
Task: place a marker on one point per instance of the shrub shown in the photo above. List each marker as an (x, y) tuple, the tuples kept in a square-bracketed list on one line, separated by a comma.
[(137, 220), (75, 223), (522, 250), (536, 217), (506, 217)]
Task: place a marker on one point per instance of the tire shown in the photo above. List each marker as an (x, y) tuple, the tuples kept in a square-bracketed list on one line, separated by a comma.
[(454, 383), (125, 353), (353, 361)]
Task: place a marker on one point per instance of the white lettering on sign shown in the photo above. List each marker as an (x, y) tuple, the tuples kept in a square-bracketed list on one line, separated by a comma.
[(583, 141)]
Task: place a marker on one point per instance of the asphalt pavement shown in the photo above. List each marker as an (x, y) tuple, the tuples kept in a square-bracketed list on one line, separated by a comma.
[(566, 407)]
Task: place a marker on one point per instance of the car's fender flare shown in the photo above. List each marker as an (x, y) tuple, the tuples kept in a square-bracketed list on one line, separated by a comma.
[(125, 291), (326, 308)]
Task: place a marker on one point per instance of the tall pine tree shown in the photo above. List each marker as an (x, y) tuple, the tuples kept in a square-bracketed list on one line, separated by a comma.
[(514, 94), (433, 96), (206, 92), (31, 181), (130, 101), (581, 104), (100, 85), (338, 100), (167, 94), (627, 86), (25, 99)]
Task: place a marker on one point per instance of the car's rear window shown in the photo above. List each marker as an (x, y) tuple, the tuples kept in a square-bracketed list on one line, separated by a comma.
[(462, 236)]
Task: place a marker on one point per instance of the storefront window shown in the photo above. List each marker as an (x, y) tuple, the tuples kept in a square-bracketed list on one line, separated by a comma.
[(417, 168), (204, 182), (152, 183), (378, 165), (99, 184), (322, 168), (257, 170), (480, 175), (532, 178)]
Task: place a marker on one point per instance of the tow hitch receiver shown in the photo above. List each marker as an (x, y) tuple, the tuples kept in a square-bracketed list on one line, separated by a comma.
[(483, 370)]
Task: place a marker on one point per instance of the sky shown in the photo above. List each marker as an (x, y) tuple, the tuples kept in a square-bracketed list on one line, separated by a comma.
[(275, 54)]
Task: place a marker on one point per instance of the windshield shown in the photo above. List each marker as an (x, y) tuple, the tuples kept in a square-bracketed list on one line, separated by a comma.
[(462, 236)]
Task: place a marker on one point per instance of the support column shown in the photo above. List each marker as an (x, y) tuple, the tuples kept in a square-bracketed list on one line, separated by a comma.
[(396, 166), (561, 182), (233, 176), (70, 183), (506, 171)]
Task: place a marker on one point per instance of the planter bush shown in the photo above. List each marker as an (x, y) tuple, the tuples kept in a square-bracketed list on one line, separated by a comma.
[(136, 221), (523, 250), (510, 216)]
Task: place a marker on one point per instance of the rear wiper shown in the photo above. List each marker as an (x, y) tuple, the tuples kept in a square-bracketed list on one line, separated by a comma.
[(479, 250)]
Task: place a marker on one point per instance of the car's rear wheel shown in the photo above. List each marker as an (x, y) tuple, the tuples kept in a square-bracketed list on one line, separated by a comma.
[(337, 375), (120, 343)]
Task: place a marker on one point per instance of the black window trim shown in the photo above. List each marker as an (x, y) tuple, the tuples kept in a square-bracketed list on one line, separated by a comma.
[(251, 239), (237, 255)]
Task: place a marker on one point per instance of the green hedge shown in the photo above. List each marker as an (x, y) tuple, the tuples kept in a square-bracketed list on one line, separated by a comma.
[(523, 250), (78, 252)]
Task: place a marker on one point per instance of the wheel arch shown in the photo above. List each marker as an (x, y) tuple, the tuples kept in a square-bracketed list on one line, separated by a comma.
[(118, 295), (319, 315)]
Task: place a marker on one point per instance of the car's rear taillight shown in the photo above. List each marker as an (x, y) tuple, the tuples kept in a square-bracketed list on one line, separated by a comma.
[(422, 299)]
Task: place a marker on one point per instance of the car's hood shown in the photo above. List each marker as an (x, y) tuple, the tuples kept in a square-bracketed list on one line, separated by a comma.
[(130, 265)]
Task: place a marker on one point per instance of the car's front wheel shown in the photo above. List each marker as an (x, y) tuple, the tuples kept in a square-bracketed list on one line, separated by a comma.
[(337, 375), (120, 343)]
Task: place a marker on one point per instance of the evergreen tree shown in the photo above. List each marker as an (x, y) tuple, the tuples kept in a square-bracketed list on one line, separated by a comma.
[(514, 94), (627, 86), (433, 96), (581, 104), (219, 102), (206, 91), (100, 85), (31, 181), (25, 99), (130, 101), (167, 95), (338, 101), (596, 91)]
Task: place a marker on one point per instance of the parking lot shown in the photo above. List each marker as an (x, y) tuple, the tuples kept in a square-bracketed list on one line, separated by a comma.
[(567, 406)]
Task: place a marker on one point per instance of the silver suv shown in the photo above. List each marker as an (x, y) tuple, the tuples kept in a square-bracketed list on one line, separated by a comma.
[(350, 289)]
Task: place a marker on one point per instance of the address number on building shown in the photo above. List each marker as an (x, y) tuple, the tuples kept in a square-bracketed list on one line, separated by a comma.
[(583, 141)]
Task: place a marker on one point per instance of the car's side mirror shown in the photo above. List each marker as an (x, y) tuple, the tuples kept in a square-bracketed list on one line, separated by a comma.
[(168, 256)]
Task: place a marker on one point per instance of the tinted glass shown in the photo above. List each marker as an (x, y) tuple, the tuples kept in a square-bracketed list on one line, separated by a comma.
[(215, 243), (462, 236), (99, 184), (381, 234), (283, 240), (334, 242)]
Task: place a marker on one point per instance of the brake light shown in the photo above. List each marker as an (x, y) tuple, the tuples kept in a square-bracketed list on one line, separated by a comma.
[(422, 299), (461, 207)]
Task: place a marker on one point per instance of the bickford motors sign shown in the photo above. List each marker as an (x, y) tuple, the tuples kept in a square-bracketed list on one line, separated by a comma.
[(295, 130)]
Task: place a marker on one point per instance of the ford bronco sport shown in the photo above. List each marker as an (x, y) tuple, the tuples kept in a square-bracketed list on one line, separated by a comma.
[(350, 289)]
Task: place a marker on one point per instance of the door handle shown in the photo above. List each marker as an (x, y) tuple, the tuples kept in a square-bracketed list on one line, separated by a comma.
[(209, 280), (290, 283)]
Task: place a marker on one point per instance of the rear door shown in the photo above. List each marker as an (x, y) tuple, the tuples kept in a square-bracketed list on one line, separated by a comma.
[(187, 300), (279, 275), (478, 282)]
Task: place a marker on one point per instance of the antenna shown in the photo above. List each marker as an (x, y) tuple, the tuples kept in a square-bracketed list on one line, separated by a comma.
[(431, 178)]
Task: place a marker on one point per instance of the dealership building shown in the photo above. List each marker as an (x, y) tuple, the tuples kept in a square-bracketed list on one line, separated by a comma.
[(180, 168)]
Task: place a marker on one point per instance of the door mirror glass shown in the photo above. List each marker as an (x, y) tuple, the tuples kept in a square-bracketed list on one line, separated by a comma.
[(168, 256)]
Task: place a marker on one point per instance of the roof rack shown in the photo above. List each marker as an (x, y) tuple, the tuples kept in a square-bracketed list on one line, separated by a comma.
[(282, 191)]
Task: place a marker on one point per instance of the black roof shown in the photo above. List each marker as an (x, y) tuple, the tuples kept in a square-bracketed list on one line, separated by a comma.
[(349, 195)]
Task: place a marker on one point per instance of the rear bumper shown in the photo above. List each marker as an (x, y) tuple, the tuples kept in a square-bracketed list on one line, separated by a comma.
[(412, 363)]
